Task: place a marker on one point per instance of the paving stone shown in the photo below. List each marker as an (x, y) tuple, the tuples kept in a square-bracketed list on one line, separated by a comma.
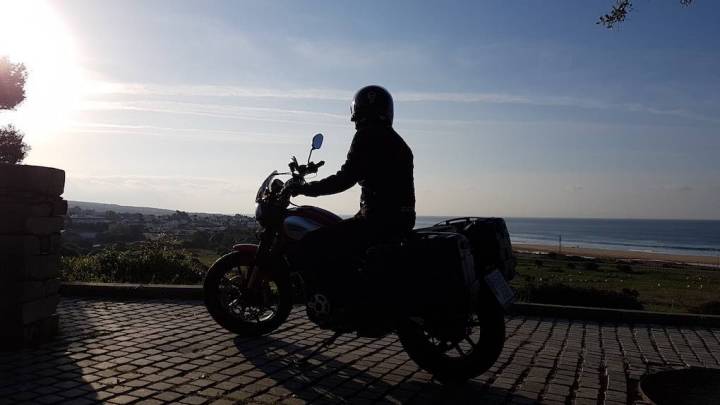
[(122, 399), (168, 396), (149, 401), (193, 400), (165, 351)]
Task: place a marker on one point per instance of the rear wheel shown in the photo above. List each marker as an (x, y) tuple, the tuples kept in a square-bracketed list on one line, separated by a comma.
[(229, 303), (456, 351)]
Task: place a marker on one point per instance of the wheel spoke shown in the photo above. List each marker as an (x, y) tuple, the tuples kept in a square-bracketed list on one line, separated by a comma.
[(236, 299), (472, 344)]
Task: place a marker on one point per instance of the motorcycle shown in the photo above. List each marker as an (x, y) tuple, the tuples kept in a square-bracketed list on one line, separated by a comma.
[(441, 291)]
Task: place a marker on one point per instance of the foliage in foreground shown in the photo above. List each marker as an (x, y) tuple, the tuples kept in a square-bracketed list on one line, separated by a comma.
[(12, 83), (12, 92), (13, 149), (620, 11), (146, 262)]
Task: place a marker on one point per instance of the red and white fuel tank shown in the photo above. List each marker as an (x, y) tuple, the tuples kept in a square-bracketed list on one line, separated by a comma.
[(304, 219)]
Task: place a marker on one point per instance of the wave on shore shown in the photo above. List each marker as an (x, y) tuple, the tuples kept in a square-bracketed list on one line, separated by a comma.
[(678, 237)]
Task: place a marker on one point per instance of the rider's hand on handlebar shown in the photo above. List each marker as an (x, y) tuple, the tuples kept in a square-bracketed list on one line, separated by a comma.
[(293, 189), (313, 167)]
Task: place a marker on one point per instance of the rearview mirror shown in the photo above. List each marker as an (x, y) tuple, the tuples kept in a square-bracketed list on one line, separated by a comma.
[(317, 141)]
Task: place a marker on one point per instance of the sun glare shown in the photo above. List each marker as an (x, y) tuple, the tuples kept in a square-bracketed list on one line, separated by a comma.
[(33, 33)]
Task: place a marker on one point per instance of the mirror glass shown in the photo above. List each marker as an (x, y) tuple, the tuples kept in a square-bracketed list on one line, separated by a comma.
[(317, 141)]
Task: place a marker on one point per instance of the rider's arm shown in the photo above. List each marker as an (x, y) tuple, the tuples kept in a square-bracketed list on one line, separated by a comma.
[(349, 174)]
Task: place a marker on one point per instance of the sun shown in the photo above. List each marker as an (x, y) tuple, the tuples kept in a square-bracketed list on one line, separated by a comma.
[(32, 32)]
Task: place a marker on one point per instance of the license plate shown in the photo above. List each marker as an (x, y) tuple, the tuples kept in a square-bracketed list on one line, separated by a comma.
[(500, 288)]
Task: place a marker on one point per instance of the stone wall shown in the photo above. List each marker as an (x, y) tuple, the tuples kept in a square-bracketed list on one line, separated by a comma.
[(31, 217)]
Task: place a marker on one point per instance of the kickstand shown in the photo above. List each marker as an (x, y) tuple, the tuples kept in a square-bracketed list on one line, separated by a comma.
[(325, 343)]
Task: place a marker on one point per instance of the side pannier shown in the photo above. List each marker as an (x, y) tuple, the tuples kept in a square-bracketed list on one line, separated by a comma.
[(443, 270), (490, 241)]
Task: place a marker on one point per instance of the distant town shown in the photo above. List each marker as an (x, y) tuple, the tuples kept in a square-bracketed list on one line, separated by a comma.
[(94, 225)]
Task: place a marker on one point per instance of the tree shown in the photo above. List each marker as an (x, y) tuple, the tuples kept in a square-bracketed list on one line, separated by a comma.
[(12, 83), (12, 148), (620, 11), (12, 92), (180, 216)]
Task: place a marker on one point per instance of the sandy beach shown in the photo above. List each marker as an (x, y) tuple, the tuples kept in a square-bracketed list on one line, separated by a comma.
[(620, 254)]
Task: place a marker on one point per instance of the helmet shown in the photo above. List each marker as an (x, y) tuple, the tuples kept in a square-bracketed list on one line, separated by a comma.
[(372, 103)]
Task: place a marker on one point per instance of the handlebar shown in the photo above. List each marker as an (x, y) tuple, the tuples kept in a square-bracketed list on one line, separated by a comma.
[(313, 167), (303, 170), (298, 173)]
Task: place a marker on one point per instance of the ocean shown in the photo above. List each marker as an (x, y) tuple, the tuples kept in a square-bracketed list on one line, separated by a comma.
[(685, 237)]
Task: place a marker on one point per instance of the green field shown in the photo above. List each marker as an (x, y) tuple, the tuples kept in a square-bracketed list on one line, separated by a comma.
[(666, 287)]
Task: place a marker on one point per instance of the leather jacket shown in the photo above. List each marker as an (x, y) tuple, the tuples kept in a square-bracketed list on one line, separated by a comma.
[(382, 163)]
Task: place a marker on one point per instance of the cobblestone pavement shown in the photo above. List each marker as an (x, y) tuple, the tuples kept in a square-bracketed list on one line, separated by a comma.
[(156, 352)]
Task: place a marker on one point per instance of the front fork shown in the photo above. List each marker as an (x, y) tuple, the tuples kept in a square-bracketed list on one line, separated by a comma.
[(263, 260)]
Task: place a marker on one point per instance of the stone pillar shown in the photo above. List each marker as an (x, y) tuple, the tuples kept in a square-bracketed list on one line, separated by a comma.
[(31, 217)]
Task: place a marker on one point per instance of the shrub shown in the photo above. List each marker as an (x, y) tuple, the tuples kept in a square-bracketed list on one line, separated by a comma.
[(561, 294), (147, 262), (591, 265), (624, 267)]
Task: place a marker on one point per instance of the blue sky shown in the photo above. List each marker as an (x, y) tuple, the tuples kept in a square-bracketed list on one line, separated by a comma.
[(521, 108)]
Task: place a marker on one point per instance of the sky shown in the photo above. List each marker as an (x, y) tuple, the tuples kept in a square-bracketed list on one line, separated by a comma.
[(517, 109)]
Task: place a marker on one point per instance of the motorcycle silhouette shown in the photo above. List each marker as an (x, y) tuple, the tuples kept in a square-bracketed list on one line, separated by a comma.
[(442, 289)]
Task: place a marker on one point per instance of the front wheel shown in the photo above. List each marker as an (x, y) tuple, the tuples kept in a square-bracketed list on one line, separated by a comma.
[(456, 351), (228, 302)]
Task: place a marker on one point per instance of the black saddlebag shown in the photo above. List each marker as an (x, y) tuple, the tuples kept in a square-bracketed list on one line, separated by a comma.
[(490, 241), (441, 274)]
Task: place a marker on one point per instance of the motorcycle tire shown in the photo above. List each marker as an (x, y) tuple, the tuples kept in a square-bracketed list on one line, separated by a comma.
[(226, 315), (421, 348)]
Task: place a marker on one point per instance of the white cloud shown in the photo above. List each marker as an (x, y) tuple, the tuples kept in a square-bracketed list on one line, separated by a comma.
[(224, 135), (101, 88), (140, 89), (277, 115)]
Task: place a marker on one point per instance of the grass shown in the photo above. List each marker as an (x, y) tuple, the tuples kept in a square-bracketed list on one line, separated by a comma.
[(205, 256), (665, 287)]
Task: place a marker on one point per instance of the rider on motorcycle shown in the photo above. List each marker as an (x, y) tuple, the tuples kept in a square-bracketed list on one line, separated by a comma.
[(382, 163), (446, 308)]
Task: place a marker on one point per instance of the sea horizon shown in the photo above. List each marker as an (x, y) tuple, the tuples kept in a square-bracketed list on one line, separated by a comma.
[(669, 236)]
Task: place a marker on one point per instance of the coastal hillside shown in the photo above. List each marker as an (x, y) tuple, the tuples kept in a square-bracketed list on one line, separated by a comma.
[(119, 209)]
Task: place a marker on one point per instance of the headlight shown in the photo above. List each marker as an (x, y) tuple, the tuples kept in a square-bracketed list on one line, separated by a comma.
[(259, 214)]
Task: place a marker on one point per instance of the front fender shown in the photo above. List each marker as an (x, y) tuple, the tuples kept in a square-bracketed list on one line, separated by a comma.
[(246, 248)]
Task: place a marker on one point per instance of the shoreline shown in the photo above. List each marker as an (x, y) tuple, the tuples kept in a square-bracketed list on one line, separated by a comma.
[(619, 254)]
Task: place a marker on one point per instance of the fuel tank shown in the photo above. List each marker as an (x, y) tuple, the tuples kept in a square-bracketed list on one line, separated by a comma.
[(304, 219)]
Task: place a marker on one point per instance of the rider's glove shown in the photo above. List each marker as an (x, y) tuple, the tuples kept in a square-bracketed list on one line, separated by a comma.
[(294, 189)]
